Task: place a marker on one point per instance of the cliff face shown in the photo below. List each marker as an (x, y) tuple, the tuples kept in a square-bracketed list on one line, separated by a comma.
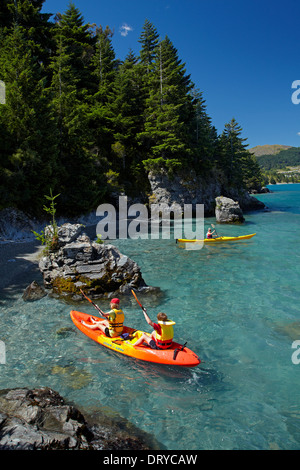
[(189, 188)]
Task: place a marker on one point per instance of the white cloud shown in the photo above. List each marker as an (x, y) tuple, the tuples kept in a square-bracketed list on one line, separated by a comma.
[(125, 29)]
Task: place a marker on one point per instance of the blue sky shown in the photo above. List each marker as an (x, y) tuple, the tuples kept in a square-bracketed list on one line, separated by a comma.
[(242, 54)]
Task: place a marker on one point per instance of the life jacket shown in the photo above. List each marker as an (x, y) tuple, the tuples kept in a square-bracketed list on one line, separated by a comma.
[(209, 235), (116, 325), (165, 339)]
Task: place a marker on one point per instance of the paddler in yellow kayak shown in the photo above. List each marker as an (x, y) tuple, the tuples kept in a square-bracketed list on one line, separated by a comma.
[(113, 325), (162, 335), (210, 233)]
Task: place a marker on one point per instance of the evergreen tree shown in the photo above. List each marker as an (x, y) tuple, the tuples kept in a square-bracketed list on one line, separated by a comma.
[(203, 136), (127, 109), (36, 27), (78, 42), (104, 63), (236, 161), (70, 89), (27, 126), (100, 114), (168, 111), (149, 41)]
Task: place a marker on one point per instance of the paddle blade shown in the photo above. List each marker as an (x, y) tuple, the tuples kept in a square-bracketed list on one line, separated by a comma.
[(134, 295)]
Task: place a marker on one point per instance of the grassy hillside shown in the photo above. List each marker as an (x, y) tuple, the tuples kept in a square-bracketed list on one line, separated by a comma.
[(279, 163), (260, 150), (284, 159)]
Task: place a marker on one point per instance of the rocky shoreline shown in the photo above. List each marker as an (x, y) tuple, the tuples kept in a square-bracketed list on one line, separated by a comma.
[(40, 419)]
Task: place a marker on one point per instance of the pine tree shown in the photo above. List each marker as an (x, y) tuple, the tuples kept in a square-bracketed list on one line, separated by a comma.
[(71, 94), (149, 41), (203, 136), (28, 156), (168, 110), (78, 42), (36, 27), (236, 161), (127, 110), (104, 63), (104, 66)]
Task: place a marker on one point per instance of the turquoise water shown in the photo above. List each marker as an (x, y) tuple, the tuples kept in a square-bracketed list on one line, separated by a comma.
[(237, 306)]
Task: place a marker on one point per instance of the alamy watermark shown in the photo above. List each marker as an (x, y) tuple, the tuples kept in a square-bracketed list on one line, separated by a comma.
[(135, 222), (296, 354), (2, 352), (2, 93), (295, 95)]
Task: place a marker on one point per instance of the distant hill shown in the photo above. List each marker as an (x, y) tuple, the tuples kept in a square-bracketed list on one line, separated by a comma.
[(279, 157), (268, 149)]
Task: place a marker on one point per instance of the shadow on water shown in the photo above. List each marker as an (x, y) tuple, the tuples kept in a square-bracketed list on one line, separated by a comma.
[(199, 377), (18, 268)]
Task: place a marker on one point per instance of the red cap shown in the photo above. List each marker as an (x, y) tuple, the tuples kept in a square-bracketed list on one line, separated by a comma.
[(115, 301)]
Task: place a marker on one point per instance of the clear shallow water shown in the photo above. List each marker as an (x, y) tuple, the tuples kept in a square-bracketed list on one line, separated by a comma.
[(237, 306)]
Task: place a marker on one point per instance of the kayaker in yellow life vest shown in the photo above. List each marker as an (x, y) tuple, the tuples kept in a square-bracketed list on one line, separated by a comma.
[(113, 326), (162, 335)]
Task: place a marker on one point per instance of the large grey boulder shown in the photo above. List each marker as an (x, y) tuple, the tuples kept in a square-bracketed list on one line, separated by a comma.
[(228, 211), (100, 270)]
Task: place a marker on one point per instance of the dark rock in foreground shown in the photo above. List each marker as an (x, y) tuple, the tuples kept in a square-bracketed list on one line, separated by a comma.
[(40, 419)]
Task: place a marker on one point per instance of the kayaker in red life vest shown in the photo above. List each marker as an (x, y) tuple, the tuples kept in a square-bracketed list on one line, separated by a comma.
[(113, 326), (210, 233), (162, 335)]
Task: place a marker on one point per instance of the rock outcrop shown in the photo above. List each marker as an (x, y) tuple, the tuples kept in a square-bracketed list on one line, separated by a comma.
[(100, 270), (228, 211), (184, 189), (40, 419), (16, 225), (189, 188)]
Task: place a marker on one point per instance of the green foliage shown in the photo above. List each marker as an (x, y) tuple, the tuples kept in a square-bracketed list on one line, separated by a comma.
[(49, 237), (99, 239), (239, 165), (78, 120), (281, 160)]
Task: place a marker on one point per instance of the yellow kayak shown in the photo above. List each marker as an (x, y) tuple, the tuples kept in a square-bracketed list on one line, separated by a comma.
[(217, 240)]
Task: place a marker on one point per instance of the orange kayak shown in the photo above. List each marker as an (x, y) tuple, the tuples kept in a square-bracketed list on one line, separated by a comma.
[(177, 355)]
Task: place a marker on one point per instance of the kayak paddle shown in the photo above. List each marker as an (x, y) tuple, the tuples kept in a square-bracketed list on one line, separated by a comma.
[(95, 305), (213, 226), (134, 295), (176, 351)]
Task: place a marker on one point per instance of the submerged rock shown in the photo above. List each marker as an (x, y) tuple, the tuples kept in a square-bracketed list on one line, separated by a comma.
[(34, 292), (228, 211), (40, 419), (101, 271)]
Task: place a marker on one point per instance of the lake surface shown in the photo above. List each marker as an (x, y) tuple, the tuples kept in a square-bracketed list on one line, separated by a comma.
[(236, 305)]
